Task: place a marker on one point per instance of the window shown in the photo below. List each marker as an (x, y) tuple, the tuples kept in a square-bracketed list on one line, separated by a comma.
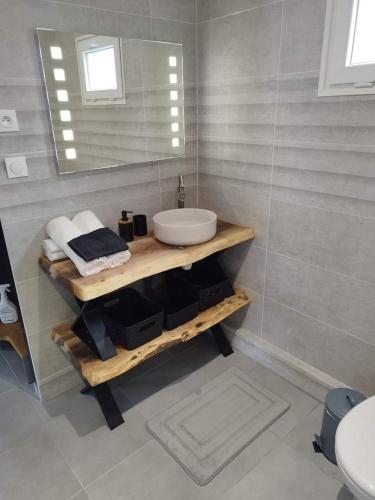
[(100, 70), (348, 57)]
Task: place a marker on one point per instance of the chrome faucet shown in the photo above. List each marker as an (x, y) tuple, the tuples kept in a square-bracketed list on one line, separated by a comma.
[(181, 191)]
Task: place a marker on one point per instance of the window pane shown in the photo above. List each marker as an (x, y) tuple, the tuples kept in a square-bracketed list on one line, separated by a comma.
[(101, 69), (363, 50)]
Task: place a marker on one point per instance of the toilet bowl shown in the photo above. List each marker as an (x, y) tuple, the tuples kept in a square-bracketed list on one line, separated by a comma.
[(355, 450)]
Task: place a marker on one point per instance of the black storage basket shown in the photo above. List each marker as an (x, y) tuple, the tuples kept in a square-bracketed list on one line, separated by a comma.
[(179, 302), (210, 283), (132, 320)]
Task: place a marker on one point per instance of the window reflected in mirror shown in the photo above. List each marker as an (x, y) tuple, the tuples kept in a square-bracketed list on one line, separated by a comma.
[(113, 101)]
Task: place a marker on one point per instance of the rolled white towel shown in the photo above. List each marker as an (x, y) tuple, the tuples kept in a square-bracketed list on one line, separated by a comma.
[(50, 246), (55, 256), (62, 230), (87, 222), (52, 251)]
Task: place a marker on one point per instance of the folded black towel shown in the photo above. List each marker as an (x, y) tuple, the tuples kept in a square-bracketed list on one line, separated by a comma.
[(99, 243)]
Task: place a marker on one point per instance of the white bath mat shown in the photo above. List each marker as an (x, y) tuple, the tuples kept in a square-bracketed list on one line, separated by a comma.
[(208, 428)]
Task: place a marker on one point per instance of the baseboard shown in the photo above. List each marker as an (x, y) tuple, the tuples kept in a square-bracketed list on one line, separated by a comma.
[(57, 383), (301, 374)]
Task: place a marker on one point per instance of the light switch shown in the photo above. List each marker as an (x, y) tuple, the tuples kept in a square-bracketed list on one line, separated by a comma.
[(16, 166), (8, 121)]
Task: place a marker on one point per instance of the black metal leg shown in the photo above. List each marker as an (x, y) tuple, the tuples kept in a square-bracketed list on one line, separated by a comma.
[(97, 330), (90, 328), (86, 389), (108, 405), (221, 340)]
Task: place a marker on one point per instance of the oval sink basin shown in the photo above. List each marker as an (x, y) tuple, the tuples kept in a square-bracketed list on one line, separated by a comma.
[(185, 226)]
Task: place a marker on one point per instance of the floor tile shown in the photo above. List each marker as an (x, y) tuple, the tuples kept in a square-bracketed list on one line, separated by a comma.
[(80, 496), (301, 404), (18, 418), (236, 470), (145, 367), (77, 426), (8, 379), (301, 439), (150, 473), (202, 354), (160, 388), (14, 362), (286, 475), (35, 469)]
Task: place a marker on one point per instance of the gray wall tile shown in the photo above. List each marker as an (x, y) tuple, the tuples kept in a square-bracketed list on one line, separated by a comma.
[(302, 35), (179, 10), (48, 358), (240, 46), (245, 265), (332, 298), (335, 241), (179, 32), (330, 350), (244, 203), (44, 303), (209, 9), (249, 317)]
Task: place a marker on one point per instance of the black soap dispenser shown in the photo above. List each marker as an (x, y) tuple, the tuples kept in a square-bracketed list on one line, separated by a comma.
[(125, 226)]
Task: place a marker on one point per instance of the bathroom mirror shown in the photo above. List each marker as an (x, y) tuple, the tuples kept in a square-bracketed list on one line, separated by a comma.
[(113, 101)]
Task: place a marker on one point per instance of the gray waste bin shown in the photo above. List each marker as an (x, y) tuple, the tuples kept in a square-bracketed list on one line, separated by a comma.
[(337, 404)]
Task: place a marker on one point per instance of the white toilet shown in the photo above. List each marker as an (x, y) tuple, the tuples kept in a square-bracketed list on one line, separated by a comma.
[(355, 450)]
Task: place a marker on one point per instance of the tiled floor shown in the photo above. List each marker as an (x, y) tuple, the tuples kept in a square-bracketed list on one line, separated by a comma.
[(64, 450)]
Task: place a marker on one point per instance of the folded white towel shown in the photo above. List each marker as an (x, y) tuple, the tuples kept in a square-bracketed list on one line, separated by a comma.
[(118, 259), (62, 230), (52, 251), (87, 222)]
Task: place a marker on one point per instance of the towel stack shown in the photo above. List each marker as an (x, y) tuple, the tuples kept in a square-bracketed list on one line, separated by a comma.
[(88, 244)]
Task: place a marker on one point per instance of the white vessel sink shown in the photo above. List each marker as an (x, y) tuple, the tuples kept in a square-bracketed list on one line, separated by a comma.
[(185, 226)]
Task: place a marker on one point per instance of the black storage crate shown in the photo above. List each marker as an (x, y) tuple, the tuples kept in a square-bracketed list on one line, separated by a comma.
[(132, 320), (179, 302), (210, 283)]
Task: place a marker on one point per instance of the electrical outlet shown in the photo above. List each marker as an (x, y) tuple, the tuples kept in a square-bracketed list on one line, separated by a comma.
[(8, 120)]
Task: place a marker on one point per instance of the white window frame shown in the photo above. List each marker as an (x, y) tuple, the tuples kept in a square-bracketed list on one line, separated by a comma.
[(101, 97), (336, 78)]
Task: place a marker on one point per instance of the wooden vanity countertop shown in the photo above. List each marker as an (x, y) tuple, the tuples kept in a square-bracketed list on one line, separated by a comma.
[(149, 257)]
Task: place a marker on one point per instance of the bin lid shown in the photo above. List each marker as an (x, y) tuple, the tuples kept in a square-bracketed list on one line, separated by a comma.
[(340, 401)]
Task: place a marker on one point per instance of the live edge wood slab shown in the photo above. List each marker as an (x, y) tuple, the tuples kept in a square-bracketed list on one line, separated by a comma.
[(96, 372), (149, 257), (13, 333)]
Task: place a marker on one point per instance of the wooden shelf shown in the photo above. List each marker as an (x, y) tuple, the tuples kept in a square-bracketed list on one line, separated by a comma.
[(13, 333), (149, 257), (96, 372)]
